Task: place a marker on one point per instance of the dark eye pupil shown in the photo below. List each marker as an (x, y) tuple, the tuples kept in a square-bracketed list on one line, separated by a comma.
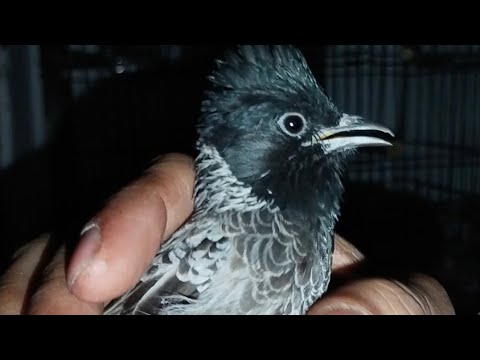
[(294, 124)]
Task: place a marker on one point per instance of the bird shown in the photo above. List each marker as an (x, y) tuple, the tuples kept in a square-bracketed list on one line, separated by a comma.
[(271, 151)]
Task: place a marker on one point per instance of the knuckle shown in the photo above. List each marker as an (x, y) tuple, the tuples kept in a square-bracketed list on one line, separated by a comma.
[(39, 242)]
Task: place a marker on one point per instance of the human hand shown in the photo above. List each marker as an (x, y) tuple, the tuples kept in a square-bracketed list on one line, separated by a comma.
[(133, 225), (421, 295), (124, 238)]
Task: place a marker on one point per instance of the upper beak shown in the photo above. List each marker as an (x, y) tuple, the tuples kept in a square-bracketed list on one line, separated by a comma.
[(348, 135)]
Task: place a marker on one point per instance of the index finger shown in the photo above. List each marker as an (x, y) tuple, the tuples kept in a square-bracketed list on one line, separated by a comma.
[(421, 295), (16, 281), (122, 239), (346, 257)]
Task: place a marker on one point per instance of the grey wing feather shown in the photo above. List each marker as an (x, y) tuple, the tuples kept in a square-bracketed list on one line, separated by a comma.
[(180, 271), (276, 268)]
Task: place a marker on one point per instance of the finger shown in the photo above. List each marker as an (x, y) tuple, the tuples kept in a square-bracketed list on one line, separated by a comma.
[(15, 282), (52, 296), (120, 242), (421, 296), (346, 257)]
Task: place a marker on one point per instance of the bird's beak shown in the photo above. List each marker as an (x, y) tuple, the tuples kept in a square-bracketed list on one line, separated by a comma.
[(350, 133)]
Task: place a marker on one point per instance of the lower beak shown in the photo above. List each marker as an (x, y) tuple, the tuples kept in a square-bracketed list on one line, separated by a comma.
[(344, 137)]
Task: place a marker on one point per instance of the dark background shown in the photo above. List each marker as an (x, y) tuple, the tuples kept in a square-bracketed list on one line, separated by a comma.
[(78, 122)]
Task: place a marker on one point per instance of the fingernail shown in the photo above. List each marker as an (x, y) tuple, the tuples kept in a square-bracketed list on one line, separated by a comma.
[(342, 309), (85, 252)]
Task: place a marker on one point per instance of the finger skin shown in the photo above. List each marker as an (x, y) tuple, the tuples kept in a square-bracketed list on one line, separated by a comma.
[(132, 227), (421, 296), (346, 257), (15, 282), (52, 296)]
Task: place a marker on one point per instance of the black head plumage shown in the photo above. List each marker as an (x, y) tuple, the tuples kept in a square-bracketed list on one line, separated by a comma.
[(264, 104)]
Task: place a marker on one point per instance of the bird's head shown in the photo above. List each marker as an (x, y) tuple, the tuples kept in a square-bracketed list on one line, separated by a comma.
[(276, 129)]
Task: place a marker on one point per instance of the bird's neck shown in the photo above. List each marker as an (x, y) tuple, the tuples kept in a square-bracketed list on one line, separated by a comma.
[(310, 189), (216, 188), (310, 197)]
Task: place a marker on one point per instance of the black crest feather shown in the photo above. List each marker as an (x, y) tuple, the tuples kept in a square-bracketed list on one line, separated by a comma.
[(255, 67)]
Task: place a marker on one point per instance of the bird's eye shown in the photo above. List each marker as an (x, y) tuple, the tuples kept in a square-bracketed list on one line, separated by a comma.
[(293, 124)]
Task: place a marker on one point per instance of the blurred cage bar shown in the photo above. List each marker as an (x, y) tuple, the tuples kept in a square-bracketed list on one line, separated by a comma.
[(105, 61), (22, 117), (429, 95)]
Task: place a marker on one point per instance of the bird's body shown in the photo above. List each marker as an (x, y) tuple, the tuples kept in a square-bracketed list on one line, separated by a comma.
[(243, 255), (267, 196)]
